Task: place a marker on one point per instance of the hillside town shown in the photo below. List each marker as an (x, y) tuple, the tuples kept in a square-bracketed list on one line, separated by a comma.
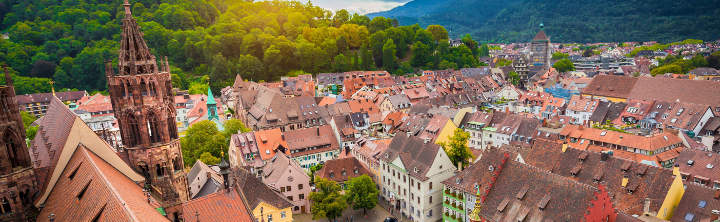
[(522, 138)]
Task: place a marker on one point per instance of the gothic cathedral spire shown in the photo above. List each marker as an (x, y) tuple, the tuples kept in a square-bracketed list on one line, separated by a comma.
[(143, 102)]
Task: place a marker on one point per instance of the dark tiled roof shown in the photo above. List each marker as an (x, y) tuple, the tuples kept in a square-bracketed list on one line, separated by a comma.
[(540, 36), (668, 89), (341, 170), (256, 192), (54, 129), (701, 160)]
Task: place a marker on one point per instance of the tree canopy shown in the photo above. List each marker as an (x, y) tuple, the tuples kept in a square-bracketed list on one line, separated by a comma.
[(69, 41), (564, 65), (362, 193), (327, 200), (457, 148)]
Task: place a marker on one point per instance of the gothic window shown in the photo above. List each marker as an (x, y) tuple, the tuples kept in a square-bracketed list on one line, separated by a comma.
[(153, 129), (6, 209), (143, 88), (123, 91), (176, 164), (172, 128), (153, 91), (12, 149), (159, 170), (133, 139), (142, 166)]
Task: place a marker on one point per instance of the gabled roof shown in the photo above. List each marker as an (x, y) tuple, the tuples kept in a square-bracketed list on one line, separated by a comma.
[(414, 154), (219, 206), (89, 188), (611, 86), (697, 204), (256, 192), (59, 135), (341, 170)]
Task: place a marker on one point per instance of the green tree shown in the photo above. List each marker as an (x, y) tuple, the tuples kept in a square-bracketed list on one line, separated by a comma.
[(362, 193), (327, 202), (514, 78), (27, 118), (714, 60), (457, 148), (473, 45), (484, 50), (438, 33), (366, 58), (208, 159), (234, 126), (389, 58), (564, 65), (422, 54), (587, 53), (699, 61), (377, 41), (559, 56), (202, 137)]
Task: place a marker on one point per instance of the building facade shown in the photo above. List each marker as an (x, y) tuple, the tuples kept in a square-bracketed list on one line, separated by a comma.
[(540, 48), (142, 100)]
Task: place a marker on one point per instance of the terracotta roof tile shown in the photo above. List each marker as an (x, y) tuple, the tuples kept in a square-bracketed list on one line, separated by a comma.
[(341, 170), (219, 206)]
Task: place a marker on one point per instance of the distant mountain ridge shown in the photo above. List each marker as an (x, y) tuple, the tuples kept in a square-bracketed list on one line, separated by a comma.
[(567, 21)]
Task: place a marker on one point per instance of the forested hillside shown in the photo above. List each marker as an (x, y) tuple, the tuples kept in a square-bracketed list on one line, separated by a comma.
[(209, 41), (568, 21)]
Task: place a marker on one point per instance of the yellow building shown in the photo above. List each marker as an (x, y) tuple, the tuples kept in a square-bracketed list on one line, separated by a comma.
[(673, 197), (265, 203), (446, 132)]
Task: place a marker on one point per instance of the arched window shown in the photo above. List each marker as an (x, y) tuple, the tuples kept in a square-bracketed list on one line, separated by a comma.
[(176, 164), (6, 209), (123, 90), (159, 170), (143, 168), (172, 127), (133, 137), (12, 149), (152, 88), (143, 88), (153, 129)]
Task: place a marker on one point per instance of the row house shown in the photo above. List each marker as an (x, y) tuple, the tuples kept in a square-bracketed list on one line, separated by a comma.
[(509, 128), (412, 172), (399, 102), (473, 123), (342, 170), (96, 111), (354, 81), (37, 103), (344, 131), (660, 149), (580, 109), (688, 117)]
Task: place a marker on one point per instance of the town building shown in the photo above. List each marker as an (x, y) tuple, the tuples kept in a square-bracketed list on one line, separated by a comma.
[(540, 49), (412, 172), (37, 104), (263, 202), (203, 180), (342, 170), (285, 175), (700, 167), (143, 103), (312, 146)]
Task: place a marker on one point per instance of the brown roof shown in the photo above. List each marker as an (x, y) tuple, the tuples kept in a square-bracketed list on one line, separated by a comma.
[(478, 172), (341, 170), (701, 160), (668, 89), (300, 139), (218, 206), (697, 204), (610, 86), (256, 192), (540, 36), (91, 188), (414, 154), (47, 145), (46, 97), (523, 191), (649, 143), (646, 181)]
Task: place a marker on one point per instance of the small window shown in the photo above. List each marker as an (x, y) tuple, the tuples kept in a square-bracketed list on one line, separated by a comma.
[(72, 175), (300, 186), (282, 214)]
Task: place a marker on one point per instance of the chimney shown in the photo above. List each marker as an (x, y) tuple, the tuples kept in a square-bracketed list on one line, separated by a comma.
[(426, 140), (646, 208), (318, 131), (459, 168), (409, 134)]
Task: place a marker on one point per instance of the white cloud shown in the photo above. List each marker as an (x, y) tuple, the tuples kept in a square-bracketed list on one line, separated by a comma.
[(359, 6)]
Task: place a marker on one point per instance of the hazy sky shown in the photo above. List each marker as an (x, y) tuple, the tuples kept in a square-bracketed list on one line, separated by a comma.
[(359, 6)]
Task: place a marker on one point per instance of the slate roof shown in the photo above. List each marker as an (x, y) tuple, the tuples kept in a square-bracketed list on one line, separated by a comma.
[(91, 188), (413, 152), (219, 206), (341, 170)]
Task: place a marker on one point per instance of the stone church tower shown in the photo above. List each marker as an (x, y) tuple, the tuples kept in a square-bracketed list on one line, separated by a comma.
[(143, 103), (17, 178)]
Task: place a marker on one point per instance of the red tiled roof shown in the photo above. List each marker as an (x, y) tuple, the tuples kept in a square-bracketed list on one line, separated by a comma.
[(341, 170), (268, 141), (107, 194), (218, 206)]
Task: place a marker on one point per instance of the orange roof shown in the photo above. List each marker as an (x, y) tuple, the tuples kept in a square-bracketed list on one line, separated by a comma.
[(327, 101), (91, 188), (218, 206), (362, 106), (268, 141), (649, 143), (94, 103)]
